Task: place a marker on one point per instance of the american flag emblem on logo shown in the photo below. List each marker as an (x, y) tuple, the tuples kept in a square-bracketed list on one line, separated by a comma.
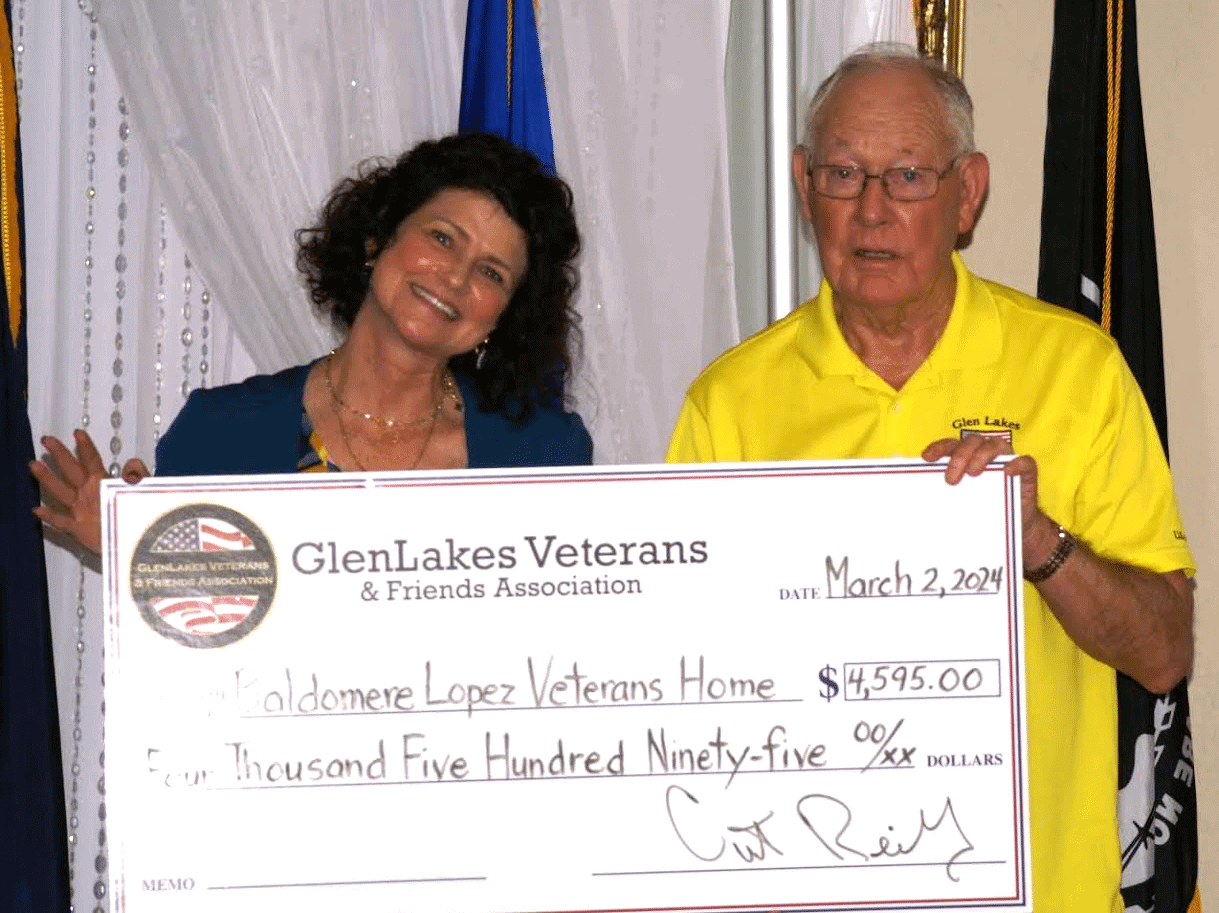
[(201, 534), (205, 615), (203, 575)]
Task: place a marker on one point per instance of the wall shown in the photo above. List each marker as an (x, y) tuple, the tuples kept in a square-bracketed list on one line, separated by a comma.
[(1007, 53)]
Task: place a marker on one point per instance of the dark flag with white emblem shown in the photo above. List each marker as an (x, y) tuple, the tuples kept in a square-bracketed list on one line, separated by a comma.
[(1098, 258), (34, 862)]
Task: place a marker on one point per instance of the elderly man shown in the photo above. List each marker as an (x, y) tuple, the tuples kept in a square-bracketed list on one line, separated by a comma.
[(902, 347)]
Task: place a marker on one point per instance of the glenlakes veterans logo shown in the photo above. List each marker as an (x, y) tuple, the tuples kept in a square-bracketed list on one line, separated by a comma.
[(203, 575)]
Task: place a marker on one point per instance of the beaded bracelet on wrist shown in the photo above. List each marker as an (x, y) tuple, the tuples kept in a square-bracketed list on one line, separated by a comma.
[(1066, 545)]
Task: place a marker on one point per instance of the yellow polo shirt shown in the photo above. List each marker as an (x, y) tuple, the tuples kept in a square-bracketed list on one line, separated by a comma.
[(1007, 364)]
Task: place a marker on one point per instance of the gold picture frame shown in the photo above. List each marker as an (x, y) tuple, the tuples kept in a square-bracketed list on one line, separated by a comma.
[(940, 29)]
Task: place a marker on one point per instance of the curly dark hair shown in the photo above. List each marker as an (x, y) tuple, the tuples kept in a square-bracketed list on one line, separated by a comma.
[(528, 355)]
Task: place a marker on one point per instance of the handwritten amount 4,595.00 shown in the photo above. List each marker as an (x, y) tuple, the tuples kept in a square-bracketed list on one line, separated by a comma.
[(908, 680)]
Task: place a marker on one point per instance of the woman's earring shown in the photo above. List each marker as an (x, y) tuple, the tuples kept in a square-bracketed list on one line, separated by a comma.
[(480, 354)]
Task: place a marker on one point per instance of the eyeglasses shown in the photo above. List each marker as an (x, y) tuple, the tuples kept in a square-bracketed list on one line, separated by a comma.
[(906, 185)]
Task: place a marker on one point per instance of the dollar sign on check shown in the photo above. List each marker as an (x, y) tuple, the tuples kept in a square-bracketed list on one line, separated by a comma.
[(829, 688)]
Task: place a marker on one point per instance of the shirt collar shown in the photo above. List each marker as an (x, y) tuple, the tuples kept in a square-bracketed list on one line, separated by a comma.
[(972, 337)]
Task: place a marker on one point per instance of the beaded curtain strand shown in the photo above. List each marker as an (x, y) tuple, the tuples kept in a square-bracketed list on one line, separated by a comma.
[(76, 797)]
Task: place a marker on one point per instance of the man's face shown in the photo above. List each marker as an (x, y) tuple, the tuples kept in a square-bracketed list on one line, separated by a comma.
[(879, 253)]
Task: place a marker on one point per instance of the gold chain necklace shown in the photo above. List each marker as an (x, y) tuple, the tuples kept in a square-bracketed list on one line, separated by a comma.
[(418, 457), (448, 387)]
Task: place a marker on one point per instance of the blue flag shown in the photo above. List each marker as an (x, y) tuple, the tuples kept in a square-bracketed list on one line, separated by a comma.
[(503, 90), (34, 862)]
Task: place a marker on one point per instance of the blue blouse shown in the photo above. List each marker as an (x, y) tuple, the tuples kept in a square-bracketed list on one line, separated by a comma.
[(254, 427)]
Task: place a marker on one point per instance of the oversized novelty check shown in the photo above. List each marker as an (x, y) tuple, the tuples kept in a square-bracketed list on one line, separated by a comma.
[(788, 687)]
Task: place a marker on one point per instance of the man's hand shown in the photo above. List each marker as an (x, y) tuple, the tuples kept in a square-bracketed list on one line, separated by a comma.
[(971, 455), (1135, 620), (70, 487)]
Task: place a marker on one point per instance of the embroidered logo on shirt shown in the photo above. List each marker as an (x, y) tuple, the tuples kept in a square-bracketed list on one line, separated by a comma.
[(987, 425), (978, 432)]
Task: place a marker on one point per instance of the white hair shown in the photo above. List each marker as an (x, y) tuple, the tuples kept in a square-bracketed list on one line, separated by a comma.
[(958, 106)]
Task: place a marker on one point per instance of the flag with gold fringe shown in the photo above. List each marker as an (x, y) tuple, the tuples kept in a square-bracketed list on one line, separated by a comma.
[(503, 89), (34, 870), (1098, 258)]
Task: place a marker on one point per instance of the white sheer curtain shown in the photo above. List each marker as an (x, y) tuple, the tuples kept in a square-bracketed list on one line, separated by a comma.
[(227, 99), (170, 149), (121, 324), (229, 121), (247, 112), (639, 125)]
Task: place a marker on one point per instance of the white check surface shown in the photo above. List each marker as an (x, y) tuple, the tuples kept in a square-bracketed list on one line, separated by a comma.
[(726, 687)]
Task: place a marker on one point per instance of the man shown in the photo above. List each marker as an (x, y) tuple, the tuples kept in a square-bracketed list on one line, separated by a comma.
[(902, 348)]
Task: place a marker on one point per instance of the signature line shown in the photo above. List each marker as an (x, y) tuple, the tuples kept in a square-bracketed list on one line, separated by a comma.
[(802, 868), (344, 884)]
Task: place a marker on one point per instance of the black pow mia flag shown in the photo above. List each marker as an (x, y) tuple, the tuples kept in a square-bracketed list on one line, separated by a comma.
[(1098, 258)]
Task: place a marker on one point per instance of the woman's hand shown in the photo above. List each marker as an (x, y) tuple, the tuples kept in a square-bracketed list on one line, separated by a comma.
[(70, 487)]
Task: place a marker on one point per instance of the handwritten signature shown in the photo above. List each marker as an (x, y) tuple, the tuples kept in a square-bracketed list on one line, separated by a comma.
[(749, 840), (827, 818)]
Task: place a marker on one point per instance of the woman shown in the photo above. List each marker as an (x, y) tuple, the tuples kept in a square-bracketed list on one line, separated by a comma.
[(450, 272)]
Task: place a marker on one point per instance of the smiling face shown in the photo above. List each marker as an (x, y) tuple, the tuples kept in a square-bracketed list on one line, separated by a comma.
[(448, 274), (878, 253)]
